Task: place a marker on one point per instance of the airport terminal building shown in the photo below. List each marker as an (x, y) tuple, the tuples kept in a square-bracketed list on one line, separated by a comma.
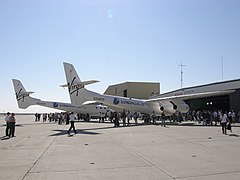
[(145, 90)]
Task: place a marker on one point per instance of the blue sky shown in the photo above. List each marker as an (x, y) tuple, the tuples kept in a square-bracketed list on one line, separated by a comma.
[(115, 41)]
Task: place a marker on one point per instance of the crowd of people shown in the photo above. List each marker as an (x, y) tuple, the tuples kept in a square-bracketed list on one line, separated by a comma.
[(212, 117), (223, 118), (60, 118), (127, 118)]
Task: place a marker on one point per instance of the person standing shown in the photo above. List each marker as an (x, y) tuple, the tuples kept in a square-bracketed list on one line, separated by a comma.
[(12, 122), (100, 117), (135, 117), (163, 120), (72, 119), (153, 117), (123, 117), (116, 119), (238, 116), (7, 124), (128, 117), (224, 119), (36, 117), (44, 117), (215, 117)]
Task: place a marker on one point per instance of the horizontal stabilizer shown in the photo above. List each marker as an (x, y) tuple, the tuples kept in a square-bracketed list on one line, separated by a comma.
[(24, 94), (81, 84)]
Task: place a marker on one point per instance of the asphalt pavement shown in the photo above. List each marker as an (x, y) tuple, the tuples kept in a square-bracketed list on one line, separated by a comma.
[(100, 151)]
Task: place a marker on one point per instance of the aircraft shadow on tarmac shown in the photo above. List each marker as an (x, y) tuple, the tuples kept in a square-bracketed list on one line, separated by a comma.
[(79, 131), (65, 132), (60, 132)]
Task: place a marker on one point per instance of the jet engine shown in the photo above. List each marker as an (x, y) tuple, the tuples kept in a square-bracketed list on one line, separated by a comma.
[(171, 107), (183, 108)]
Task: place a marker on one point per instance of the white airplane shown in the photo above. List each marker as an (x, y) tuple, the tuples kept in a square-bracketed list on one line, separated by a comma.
[(79, 95), (24, 100)]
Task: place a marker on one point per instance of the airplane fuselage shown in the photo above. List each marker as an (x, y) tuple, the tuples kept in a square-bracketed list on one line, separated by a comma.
[(131, 104), (91, 109)]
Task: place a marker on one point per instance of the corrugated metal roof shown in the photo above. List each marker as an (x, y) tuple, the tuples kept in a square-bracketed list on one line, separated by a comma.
[(223, 85)]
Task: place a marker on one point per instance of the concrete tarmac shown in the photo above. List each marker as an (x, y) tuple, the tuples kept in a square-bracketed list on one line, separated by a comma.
[(99, 151)]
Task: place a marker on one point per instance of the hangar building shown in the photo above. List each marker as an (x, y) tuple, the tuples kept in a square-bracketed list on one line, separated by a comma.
[(225, 102), (145, 90)]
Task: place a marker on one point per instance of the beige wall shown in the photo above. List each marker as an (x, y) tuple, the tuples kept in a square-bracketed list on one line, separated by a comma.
[(141, 90)]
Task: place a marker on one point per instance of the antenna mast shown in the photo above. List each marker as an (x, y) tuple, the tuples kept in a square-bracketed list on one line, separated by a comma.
[(222, 66), (182, 65)]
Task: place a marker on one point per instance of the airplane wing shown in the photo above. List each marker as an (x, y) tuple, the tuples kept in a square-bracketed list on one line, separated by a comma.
[(192, 96), (90, 102), (172, 104)]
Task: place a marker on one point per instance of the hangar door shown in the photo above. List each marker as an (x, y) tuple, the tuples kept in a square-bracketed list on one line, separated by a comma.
[(210, 103)]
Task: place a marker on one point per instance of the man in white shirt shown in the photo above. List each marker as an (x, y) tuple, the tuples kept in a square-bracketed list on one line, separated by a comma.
[(7, 124), (224, 120), (72, 119)]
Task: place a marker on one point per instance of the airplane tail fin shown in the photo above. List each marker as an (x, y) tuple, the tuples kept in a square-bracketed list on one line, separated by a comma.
[(78, 93), (23, 97)]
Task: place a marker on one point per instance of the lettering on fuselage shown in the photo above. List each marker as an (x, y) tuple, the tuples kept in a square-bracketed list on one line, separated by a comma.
[(98, 99), (55, 104), (67, 106), (41, 103), (132, 102), (116, 101)]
